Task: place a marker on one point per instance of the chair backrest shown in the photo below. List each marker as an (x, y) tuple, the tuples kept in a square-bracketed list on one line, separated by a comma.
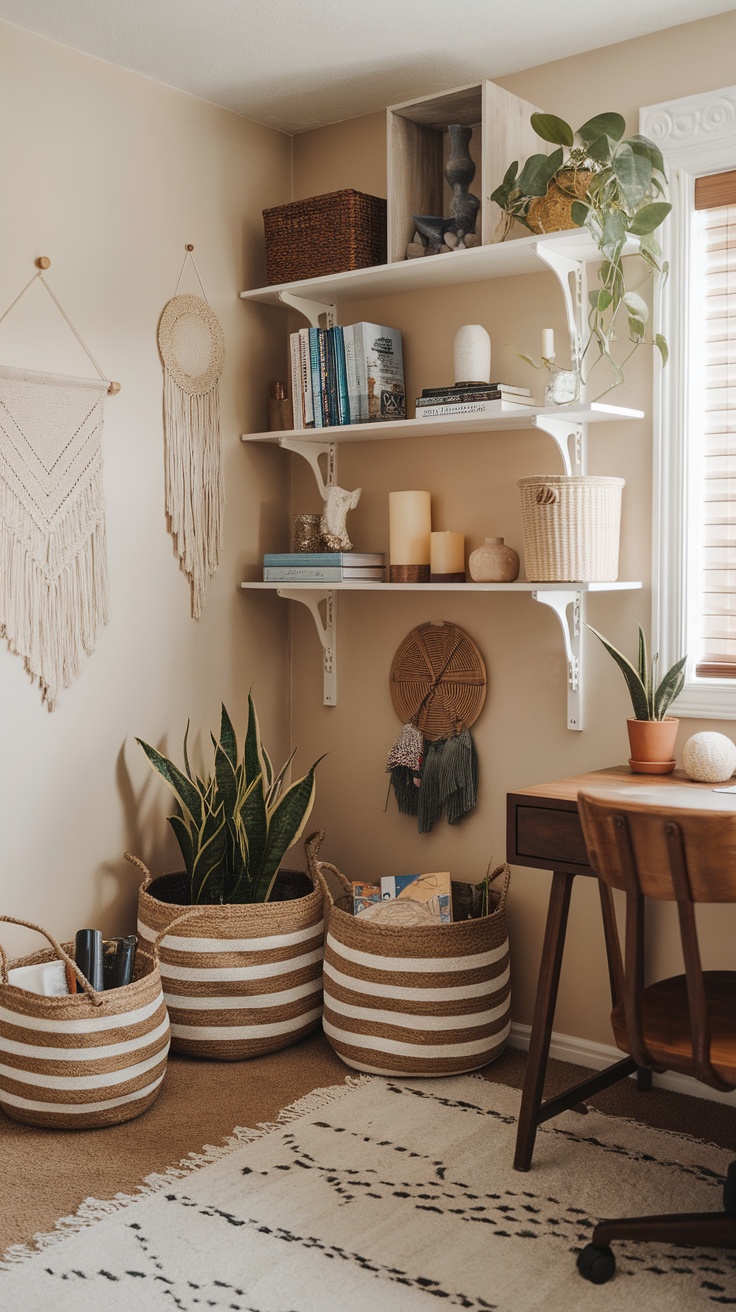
[(671, 854)]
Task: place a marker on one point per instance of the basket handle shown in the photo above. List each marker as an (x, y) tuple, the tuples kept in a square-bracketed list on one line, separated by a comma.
[(505, 871), (311, 848), (189, 914), (140, 865), (96, 998), (546, 495)]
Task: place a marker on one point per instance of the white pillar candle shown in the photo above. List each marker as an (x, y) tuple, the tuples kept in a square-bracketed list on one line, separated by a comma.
[(409, 527), (548, 344), (447, 553)]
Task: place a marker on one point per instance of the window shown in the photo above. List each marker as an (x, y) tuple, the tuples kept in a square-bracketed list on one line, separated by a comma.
[(695, 403)]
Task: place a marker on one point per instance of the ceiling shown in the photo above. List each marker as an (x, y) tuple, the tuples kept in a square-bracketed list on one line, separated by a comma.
[(298, 64)]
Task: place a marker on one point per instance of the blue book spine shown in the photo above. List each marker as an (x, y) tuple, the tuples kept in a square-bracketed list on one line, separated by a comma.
[(343, 396), (316, 376), (332, 407)]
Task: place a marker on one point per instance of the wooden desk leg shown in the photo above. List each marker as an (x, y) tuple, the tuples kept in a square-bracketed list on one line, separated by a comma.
[(544, 1011)]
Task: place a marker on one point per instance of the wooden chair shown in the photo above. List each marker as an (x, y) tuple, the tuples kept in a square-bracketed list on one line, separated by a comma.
[(686, 1023)]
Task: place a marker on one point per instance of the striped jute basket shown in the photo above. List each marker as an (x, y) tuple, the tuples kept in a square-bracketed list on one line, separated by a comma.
[(571, 527), (240, 980), (84, 1060), (414, 1000)]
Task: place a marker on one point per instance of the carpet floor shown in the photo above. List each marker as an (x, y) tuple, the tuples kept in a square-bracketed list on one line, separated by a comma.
[(52, 1172)]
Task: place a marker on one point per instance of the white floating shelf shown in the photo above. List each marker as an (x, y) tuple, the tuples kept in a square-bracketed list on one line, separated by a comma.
[(565, 599), (594, 412), (502, 260)]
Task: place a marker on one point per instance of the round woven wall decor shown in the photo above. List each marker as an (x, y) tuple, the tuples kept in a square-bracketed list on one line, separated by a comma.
[(192, 344), (438, 680)]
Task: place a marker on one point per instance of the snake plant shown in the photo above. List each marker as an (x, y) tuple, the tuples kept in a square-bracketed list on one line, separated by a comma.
[(234, 825), (649, 699)]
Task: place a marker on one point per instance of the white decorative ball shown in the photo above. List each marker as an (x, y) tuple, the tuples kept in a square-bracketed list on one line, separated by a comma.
[(709, 758)]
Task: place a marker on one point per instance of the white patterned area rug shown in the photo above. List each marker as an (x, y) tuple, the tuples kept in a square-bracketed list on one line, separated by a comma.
[(390, 1196)]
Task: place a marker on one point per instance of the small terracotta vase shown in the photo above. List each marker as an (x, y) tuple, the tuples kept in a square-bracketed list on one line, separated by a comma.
[(494, 562), (652, 744)]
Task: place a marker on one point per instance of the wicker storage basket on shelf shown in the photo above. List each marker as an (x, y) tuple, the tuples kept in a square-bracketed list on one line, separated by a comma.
[(240, 980), (571, 528), (85, 1060), (326, 234), (416, 999)]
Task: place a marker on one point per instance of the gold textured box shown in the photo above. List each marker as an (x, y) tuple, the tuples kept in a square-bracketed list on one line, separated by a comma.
[(326, 234)]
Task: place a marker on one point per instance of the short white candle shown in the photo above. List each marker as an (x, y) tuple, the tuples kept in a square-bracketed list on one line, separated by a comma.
[(548, 344), (447, 553), (410, 524)]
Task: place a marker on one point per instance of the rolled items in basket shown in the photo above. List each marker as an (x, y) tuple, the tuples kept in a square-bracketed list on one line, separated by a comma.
[(414, 999), (83, 1060)]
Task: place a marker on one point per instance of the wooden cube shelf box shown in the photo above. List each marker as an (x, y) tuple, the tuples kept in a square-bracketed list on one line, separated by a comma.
[(418, 149)]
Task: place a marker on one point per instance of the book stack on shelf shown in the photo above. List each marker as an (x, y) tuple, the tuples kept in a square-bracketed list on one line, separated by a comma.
[(465, 400), (347, 375), (324, 567)]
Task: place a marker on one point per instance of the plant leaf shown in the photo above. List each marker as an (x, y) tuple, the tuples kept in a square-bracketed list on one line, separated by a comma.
[(647, 147), (208, 868), (612, 125), (634, 175), (228, 740), (286, 824), (662, 347), (182, 788), (649, 217), (637, 690), (551, 128), (184, 839), (579, 212), (670, 687), (537, 173)]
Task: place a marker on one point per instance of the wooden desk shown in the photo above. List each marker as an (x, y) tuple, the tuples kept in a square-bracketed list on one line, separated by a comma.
[(544, 831)]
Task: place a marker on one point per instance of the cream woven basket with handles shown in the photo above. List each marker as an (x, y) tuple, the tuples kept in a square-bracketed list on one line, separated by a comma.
[(83, 1060), (414, 1000)]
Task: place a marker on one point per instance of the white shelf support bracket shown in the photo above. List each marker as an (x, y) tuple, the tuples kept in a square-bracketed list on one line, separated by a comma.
[(568, 607), (311, 452), (326, 626), (314, 311), (571, 276), (570, 438)]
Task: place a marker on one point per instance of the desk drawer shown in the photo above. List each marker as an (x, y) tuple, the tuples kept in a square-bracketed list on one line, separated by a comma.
[(551, 838)]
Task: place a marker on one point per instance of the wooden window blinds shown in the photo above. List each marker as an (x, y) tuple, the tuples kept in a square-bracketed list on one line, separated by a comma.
[(716, 391)]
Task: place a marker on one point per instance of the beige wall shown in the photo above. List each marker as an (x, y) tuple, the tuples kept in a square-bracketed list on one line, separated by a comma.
[(521, 735), (110, 175)]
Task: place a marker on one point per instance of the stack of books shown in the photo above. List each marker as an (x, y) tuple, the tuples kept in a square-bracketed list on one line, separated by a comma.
[(324, 567), (347, 375), (469, 399)]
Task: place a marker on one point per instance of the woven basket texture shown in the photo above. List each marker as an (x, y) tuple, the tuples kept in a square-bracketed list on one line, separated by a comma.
[(414, 1000), (326, 234), (438, 680), (67, 1063), (571, 527), (239, 980)]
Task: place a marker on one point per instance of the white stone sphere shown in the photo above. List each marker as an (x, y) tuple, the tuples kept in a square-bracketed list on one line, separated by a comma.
[(710, 758)]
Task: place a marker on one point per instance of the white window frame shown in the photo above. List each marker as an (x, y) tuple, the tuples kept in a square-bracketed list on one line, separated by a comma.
[(697, 135)]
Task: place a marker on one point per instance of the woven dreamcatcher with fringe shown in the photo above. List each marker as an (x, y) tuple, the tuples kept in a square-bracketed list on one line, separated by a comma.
[(192, 346), (438, 687)]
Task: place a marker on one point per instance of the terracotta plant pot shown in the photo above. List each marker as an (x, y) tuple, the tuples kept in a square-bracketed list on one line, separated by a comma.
[(652, 744)]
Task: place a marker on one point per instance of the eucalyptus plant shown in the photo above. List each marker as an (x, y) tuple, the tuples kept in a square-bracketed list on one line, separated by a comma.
[(650, 700), (622, 196), (234, 825)]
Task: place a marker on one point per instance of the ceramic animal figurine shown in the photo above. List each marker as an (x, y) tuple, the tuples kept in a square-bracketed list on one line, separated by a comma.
[(338, 501)]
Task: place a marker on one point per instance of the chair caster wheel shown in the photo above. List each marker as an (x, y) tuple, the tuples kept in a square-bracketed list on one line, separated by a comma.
[(595, 1264), (729, 1190)]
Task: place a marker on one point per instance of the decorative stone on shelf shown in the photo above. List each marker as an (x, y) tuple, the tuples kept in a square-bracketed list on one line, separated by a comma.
[(709, 758)]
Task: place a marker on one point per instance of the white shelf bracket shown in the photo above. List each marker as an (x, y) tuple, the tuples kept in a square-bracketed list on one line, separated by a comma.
[(326, 627), (311, 452), (571, 276), (568, 607), (570, 438), (312, 310)]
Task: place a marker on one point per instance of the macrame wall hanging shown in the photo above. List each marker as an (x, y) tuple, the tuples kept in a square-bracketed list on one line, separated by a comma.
[(54, 593), (192, 346), (438, 687)]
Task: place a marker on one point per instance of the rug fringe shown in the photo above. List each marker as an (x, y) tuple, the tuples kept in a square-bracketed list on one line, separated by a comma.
[(93, 1210)]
